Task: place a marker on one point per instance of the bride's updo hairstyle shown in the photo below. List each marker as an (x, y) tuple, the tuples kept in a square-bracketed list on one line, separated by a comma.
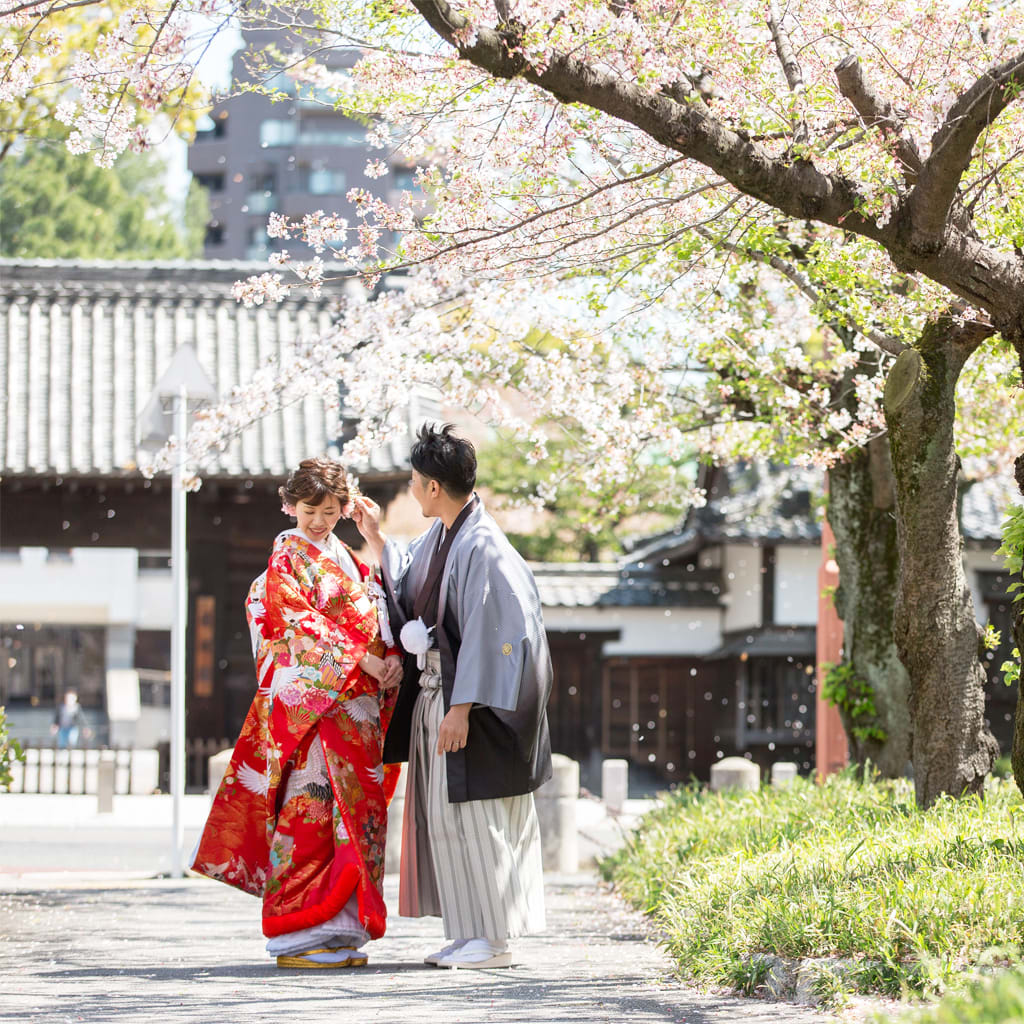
[(313, 481)]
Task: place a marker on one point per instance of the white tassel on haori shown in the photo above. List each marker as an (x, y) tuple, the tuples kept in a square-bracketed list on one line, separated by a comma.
[(415, 639)]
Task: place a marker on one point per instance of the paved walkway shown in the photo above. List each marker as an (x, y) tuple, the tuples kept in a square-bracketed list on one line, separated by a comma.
[(88, 934), (165, 952)]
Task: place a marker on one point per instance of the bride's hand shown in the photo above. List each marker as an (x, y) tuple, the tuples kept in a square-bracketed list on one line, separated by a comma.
[(393, 672), (374, 666)]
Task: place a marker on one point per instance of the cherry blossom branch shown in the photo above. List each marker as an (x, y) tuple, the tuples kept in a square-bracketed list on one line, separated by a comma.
[(877, 112), (792, 273), (955, 258), (790, 68), (488, 236), (51, 8), (796, 187), (953, 146)]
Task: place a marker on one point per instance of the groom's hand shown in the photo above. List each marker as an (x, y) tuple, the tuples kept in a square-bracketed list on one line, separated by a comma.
[(454, 729), (366, 516)]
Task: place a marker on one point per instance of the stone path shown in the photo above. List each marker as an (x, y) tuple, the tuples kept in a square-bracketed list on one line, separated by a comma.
[(116, 948)]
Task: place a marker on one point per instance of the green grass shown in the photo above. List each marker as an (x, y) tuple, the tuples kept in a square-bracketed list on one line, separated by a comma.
[(996, 1001), (905, 899)]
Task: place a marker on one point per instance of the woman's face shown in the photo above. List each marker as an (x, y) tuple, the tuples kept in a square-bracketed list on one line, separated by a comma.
[(317, 521)]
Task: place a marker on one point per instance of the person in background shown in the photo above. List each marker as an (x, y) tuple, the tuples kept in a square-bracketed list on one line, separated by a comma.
[(69, 722)]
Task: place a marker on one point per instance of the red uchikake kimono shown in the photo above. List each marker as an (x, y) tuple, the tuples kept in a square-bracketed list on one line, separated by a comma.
[(281, 827)]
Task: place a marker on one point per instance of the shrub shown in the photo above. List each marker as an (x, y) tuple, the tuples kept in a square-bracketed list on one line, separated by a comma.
[(10, 751), (852, 871)]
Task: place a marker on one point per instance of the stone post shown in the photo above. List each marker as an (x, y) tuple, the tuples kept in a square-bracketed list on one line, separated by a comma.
[(735, 773), (783, 773), (396, 811), (216, 767), (556, 812), (615, 784), (106, 772)]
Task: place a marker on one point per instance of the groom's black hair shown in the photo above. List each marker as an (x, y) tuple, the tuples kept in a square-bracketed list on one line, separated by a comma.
[(441, 456)]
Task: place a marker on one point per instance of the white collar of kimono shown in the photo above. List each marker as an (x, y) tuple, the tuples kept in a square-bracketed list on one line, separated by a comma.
[(333, 549)]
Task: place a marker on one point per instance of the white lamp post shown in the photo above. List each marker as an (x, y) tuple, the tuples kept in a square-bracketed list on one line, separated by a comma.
[(182, 388)]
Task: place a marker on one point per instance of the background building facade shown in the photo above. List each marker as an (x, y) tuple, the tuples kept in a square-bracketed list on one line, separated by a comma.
[(285, 154)]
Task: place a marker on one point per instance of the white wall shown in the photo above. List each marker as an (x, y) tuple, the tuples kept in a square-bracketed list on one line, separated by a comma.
[(95, 586), (90, 587), (980, 561), (671, 631), (156, 599), (741, 579), (796, 584)]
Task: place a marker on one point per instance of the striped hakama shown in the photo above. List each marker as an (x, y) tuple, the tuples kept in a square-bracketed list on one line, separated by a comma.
[(477, 864)]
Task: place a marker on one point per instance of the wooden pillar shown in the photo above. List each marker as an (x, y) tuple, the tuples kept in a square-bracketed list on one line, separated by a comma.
[(830, 738)]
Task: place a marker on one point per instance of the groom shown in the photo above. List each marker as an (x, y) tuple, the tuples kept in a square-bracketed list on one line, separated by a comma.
[(471, 716)]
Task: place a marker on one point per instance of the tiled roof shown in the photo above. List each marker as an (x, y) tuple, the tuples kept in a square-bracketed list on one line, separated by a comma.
[(611, 585), (747, 502), (769, 642), (984, 508), (82, 344), (773, 504)]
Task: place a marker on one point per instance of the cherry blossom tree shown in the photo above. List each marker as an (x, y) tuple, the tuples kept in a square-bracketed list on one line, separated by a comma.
[(48, 51), (886, 135), (610, 152)]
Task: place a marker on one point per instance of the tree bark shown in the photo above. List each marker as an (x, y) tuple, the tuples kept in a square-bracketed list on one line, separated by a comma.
[(861, 507), (936, 632), (1017, 751)]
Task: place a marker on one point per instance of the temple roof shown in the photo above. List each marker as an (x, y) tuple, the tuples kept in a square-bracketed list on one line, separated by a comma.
[(758, 502), (615, 585), (747, 502), (83, 343)]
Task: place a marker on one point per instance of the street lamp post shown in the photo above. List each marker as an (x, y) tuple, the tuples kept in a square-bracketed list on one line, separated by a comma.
[(167, 414)]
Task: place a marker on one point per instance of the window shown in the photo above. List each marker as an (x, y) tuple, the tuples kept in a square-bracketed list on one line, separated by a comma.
[(278, 133), (405, 178), (154, 560), (217, 130), (257, 242), (280, 82), (324, 134), (214, 234), (153, 649), (324, 182), (263, 192), (777, 699), (38, 664), (211, 182), (153, 663)]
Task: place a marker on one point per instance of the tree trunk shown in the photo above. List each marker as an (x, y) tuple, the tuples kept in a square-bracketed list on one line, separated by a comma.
[(935, 628), (1017, 752), (861, 507)]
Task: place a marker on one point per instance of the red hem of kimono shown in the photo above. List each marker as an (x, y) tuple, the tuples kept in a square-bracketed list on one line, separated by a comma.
[(309, 917)]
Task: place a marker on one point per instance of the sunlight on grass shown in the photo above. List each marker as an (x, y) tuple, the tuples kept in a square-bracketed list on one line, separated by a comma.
[(907, 899)]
